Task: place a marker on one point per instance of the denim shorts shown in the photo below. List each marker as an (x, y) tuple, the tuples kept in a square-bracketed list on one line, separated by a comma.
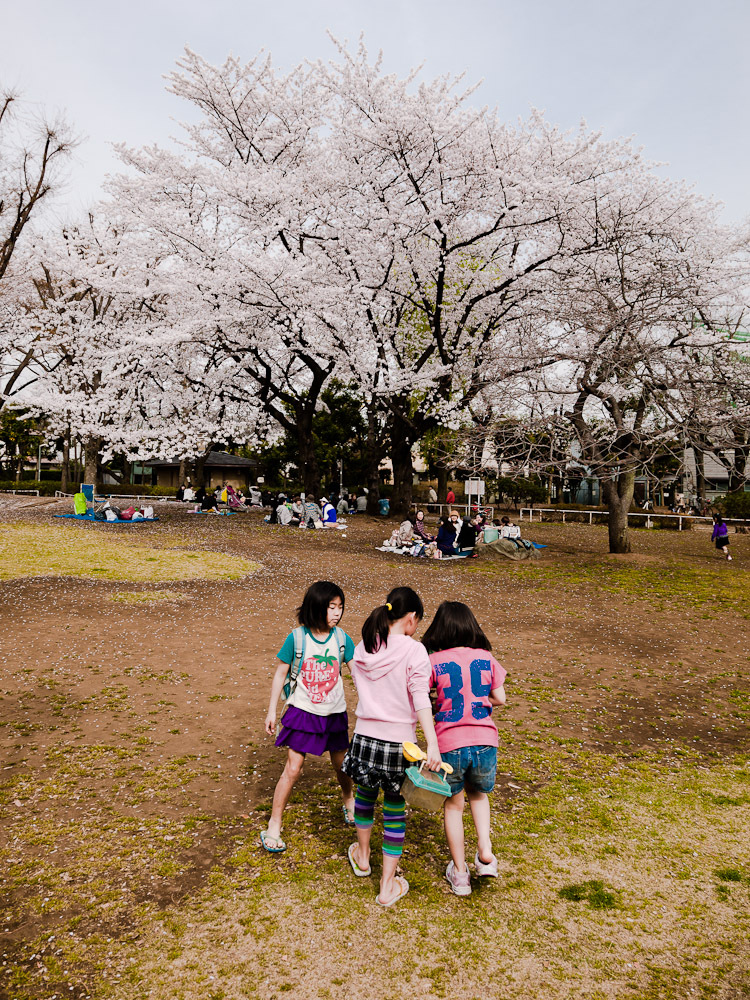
[(474, 767)]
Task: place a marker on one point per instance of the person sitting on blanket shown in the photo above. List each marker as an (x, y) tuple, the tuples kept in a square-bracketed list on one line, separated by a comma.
[(284, 512), (209, 503), (457, 522), (419, 528), (402, 536), (342, 507), (313, 513), (329, 511), (508, 529), (467, 536), (446, 536)]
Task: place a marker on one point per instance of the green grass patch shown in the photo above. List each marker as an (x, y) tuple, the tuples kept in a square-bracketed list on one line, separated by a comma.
[(48, 550), (593, 891)]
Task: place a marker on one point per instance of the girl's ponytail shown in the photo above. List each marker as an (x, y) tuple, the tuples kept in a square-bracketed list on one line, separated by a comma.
[(400, 602)]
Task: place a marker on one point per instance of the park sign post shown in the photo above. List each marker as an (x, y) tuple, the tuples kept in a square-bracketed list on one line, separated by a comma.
[(473, 487)]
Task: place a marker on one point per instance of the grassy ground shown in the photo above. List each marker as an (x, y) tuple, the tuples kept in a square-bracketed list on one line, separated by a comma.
[(58, 551), (135, 783)]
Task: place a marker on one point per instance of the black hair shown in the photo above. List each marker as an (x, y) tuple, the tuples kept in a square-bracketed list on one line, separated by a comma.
[(505, 520), (402, 601), (454, 624), (313, 612), (718, 519)]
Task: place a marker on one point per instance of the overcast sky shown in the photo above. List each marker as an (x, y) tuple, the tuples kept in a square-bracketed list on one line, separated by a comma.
[(673, 73)]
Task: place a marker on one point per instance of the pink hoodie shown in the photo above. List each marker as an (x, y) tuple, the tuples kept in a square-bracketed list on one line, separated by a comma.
[(393, 684)]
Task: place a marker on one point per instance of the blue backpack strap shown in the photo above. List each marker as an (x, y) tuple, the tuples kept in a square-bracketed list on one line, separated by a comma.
[(341, 638), (296, 665), (299, 649)]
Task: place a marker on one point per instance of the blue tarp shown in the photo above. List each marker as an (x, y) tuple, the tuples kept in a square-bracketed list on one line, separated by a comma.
[(90, 517)]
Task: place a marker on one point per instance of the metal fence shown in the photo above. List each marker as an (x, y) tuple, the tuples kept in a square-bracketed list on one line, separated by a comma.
[(123, 496), (31, 493), (440, 508), (646, 515)]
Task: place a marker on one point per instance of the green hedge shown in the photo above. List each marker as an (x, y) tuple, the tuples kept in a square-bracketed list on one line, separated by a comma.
[(124, 489), (46, 489)]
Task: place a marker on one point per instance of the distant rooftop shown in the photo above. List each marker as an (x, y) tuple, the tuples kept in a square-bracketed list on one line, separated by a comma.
[(216, 459)]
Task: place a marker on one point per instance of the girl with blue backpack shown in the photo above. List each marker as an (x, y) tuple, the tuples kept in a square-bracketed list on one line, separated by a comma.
[(314, 719)]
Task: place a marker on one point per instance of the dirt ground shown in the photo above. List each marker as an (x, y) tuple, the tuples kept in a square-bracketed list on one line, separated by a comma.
[(616, 669)]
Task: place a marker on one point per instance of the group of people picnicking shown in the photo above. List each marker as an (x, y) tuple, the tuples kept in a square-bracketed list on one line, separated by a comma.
[(456, 535), (395, 677), (224, 497), (302, 511)]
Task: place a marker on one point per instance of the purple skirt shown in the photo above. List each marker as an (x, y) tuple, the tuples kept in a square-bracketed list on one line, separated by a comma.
[(317, 734)]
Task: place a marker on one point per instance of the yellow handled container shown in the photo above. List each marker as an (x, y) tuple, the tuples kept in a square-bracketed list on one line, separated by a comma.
[(424, 789)]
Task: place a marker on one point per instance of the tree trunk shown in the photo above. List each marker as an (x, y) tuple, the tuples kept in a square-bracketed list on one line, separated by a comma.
[(403, 470), (373, 454), (308, 463), (91, 470), (19, 464), (186, 471), (442, 482), (700, 480), (65, 467), (618, 496), (199, 473)]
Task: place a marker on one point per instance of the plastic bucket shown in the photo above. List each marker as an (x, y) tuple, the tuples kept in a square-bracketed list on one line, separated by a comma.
[(425, 789), (491, 535)]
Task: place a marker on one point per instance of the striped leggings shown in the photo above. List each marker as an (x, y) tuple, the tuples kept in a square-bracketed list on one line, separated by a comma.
[(394, 817)]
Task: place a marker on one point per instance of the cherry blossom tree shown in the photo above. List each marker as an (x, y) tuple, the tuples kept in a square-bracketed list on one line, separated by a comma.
[(616, 353), (33, 154)]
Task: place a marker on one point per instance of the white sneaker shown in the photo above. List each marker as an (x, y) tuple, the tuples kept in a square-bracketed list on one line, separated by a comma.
[(729, 558), (483, 869), (460, 882)]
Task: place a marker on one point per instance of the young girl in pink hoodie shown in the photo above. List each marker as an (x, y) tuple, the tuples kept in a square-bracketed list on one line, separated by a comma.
[(391, 671)]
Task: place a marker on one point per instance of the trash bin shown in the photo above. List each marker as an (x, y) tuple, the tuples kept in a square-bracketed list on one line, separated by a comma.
[(384, 506)]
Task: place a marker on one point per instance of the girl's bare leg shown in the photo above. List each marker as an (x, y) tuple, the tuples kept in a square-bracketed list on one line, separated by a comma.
[(453, 817), (292, 771), (347, 785), (480, 812), (388, 886)]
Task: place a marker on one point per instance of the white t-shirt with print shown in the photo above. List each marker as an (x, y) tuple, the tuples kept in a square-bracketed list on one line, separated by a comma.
[(320, 688)]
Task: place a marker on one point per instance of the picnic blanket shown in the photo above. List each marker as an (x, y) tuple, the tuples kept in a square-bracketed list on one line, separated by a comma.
[(407, 551), (95, 520)]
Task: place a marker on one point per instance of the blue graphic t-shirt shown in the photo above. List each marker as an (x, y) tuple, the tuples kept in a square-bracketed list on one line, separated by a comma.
[(320, 689)]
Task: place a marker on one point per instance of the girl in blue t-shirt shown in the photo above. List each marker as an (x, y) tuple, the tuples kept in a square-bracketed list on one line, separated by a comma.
[(315, 719)]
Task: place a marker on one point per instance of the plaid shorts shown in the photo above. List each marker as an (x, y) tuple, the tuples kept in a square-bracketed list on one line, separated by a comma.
[(376, 763)]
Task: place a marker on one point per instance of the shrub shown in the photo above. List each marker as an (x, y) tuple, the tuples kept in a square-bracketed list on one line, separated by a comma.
[(734, 504)]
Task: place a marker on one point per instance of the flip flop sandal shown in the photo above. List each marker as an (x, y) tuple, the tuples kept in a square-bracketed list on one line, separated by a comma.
[(348, 815), (359, 872), (280, 845), (403, 889)]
